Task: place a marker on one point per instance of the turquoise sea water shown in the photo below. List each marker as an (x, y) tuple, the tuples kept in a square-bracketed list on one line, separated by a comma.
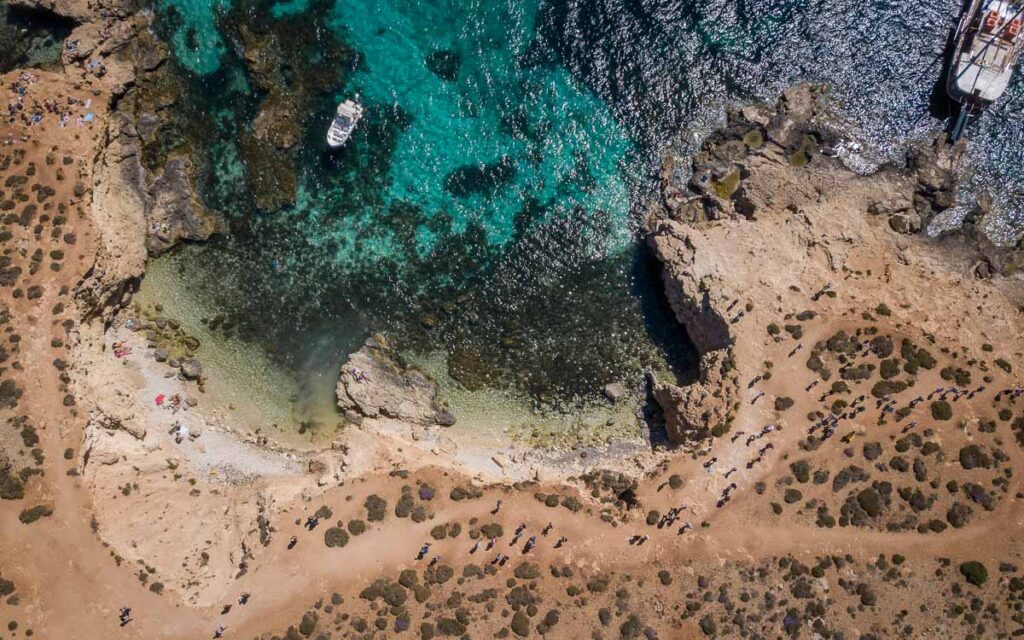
[(491, 135), (487, 205), (484, 207)]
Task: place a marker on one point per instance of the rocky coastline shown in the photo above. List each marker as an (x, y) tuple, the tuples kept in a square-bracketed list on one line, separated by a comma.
[(770, 161), (788, 271)]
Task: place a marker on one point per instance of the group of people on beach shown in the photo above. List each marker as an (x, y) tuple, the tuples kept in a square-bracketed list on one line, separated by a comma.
[(34, 112)]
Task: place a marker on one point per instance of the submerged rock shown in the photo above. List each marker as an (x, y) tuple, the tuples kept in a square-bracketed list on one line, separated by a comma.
[(614, 392)]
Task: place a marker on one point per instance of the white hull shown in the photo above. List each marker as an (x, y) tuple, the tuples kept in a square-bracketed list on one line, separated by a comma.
[(989, 40), (344, 123)]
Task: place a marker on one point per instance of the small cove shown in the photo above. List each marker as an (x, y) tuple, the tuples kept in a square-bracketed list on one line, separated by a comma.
[(486, 213)]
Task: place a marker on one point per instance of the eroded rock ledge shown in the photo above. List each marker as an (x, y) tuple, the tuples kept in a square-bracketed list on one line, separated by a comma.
[(374, 384)]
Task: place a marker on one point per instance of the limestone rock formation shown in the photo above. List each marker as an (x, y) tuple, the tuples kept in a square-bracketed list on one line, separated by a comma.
[(373, 384), (174, 211), (693, 411)]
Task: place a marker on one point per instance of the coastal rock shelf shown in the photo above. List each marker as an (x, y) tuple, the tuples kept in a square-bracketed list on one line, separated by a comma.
[(374, 385)]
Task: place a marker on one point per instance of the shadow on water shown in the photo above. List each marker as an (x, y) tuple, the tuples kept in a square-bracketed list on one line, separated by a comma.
[(315, 358), (940, 105), (668, 336), (30, 37), (660, 321)]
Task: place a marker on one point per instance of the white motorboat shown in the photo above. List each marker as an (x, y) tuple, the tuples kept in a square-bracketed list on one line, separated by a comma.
[(344, 123)]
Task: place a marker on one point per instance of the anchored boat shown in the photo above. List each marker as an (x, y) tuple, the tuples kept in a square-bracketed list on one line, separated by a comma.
[(988, 42), (344, 123)]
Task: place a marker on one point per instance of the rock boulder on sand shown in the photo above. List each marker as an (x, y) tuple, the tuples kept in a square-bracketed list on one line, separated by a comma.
[(191, 369), (374, 384)]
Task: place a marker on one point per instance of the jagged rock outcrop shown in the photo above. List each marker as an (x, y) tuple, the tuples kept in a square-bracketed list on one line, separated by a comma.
[(373, 384), (174, 212), (691, 293), (771, 163), (118, 209), (692, 412), (144, 199), (85, 10)]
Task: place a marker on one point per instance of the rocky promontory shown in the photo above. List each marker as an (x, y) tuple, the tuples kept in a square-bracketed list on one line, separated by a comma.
[(375, 384), (766, 223)]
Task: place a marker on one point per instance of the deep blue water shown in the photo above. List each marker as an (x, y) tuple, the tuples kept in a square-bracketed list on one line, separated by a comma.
[(489, 202)]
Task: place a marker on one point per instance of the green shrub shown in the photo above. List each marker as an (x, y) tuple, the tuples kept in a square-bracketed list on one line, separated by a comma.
[(376, 508), (451, 627), (783, 403), (520, 624), (708, 626), (973, 457), (395, 595), (840, 343), (443, 574), (974, 572), (889, 368), (404, 505), (814, 363), (11, 488), (572, 504), (308, 624), (356, 527), (324, 513), (801, 470), (885, 388), (1004, 364), (882, 346), (28, 516), (675, 481), (870, 502), (551, 618), (941, 410), (407, 578), (527, 571), (465, 493), (492, 530), (335, 537)]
